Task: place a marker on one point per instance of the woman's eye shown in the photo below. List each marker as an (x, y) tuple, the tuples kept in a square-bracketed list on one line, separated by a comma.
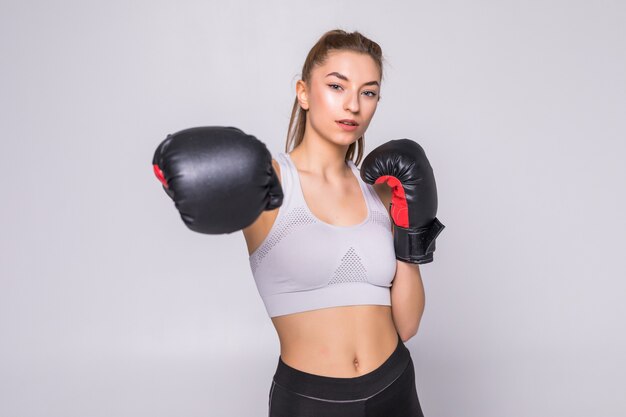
[(338, 87)]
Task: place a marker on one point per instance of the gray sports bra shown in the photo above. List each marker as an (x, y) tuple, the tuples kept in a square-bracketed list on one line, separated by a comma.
[(306, 264)]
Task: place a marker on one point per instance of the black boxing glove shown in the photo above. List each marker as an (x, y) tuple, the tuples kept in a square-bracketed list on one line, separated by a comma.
[(403, 165), (220, 178)]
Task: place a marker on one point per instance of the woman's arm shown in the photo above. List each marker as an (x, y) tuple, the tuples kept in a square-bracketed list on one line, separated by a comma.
[(407, 299), (407, 290)]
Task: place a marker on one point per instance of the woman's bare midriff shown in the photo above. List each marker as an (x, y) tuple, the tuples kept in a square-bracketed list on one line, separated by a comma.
[(340, 342)]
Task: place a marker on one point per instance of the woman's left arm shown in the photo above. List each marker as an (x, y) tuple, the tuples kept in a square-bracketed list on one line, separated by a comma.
[(407, 299), (407, 290)]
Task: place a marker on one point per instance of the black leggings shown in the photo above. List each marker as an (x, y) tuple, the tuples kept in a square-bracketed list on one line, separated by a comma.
[(387, 391)]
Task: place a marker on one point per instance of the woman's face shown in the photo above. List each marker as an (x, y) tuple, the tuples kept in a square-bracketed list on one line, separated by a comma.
[(345, 87)]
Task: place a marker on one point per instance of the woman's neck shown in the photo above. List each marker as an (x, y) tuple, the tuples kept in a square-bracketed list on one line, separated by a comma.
[(326, 161)]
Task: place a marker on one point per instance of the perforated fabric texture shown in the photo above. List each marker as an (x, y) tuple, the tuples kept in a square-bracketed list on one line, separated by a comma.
[(381, 219), (350, 270), (298, 216)]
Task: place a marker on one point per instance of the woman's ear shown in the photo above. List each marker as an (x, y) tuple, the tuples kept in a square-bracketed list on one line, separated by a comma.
[(302, 95)]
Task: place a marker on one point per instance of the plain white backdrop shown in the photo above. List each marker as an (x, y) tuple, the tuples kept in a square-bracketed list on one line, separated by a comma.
[(110, 306)]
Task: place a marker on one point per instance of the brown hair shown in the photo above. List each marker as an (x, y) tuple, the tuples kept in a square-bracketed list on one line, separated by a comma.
[(333, 40)]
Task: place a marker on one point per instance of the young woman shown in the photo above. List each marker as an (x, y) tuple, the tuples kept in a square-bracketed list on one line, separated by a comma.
[(337, 271), (324, 261)]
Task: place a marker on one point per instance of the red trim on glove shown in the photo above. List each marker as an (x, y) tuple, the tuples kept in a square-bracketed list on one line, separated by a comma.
[(399, 207), (159, 175)]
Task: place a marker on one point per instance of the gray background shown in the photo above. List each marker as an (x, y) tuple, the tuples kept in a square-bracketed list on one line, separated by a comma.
[(110, 306)]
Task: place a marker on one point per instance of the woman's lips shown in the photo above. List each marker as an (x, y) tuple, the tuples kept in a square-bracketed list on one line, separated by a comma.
[(347, 128)]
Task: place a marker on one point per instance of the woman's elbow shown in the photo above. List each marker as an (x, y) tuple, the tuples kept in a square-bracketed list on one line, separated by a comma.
[(405, 336), (410, 331)]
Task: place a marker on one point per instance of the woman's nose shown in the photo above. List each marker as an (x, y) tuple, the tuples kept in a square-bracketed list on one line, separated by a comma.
[(352, 102)]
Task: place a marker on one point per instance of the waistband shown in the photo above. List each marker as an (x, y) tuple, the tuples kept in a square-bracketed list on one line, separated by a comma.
[(331, 388)]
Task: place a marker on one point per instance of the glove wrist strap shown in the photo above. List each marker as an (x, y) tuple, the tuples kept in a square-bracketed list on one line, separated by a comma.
[(416, 244)]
